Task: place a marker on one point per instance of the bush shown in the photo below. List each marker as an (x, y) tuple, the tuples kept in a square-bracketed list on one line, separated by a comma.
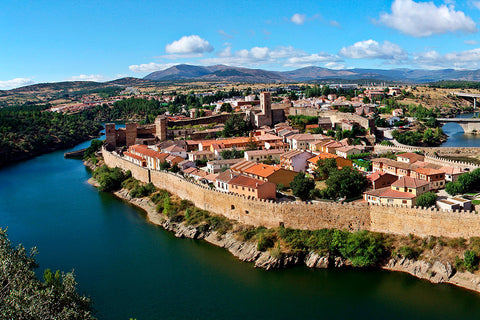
[(266, 240), (363, 248), (110, 179), (470, 260), (159, 196), (408, 252), (140, 191)]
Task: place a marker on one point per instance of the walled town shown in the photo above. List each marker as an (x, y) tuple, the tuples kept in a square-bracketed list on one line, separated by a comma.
[(349, 158)]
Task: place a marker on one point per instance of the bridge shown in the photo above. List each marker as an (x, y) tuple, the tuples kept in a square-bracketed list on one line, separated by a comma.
[(471, 97), (469, 125)]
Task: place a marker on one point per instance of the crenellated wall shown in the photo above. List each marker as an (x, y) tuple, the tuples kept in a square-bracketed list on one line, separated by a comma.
[(301, 215)]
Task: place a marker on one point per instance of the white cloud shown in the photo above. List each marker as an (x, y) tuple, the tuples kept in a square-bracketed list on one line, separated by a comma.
[(424, 19), (371, 49), (284, 56), (88, 77), (15, 83), (189, 45), (298, 18), (471, 42), (311, 59), (150, 67), (476, 4), (335, 65), (469, 59)]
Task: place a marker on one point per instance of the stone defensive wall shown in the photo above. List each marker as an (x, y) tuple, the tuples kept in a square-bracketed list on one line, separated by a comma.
[(334, 116), (430, 158), (302, 215), (220, 118)]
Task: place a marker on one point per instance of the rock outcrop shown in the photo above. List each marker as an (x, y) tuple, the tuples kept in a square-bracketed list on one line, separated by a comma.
[(436, 272)]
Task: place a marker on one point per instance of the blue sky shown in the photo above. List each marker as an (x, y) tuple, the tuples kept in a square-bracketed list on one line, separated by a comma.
[(46, 41)]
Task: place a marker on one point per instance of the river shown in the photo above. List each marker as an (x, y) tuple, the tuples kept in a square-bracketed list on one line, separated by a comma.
[(133, 269), (456, 136)]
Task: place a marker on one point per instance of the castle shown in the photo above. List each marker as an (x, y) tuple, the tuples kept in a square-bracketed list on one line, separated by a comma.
[(133, 133), (265, 115)]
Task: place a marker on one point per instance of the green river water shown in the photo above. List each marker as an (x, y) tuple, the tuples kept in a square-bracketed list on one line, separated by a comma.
[(133, 269)]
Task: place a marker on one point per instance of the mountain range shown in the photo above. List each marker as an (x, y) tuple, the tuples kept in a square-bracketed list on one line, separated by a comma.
[(237, 74)]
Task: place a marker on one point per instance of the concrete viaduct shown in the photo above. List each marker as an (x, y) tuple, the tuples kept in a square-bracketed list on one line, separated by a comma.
[(468, 124), (471, 97)]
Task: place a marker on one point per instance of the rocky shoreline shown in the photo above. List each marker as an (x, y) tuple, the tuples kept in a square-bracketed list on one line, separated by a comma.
[(438, 272)]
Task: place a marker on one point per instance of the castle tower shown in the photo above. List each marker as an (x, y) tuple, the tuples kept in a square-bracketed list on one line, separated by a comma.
[(110, 134), (130, 133), (266, 106), (161, 127)]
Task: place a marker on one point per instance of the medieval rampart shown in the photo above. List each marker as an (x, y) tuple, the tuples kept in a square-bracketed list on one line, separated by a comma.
[(300, 215)]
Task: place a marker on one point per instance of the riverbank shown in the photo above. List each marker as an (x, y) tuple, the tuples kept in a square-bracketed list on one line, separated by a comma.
[(437, 271)]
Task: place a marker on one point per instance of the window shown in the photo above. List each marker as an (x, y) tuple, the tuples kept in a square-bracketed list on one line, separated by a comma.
[(404, 201), (232, 207)]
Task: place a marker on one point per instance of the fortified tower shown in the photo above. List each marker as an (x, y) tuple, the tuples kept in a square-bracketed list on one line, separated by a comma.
[(130, 133), (110, 134), (161, 127), (266, 107)]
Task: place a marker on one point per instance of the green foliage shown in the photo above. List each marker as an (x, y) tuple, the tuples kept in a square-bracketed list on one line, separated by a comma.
[(110, 179), (95, 145), (367, 165), (411, 138), (363, 248), (427, 199), (26, 131), (386, 143), (236, 126), (470, 260), (232, 154), (130, 183), (23, 296), (159, 196), (467, 182), (175, 168), (359, 155), (408, 252), (325, 167), (347, 182), (301, 120), (302, 186), (140, 191), (265, 240), (164, 165), (226, 107)]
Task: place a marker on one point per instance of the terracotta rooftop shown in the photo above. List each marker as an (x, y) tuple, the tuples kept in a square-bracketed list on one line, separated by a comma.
[(376, 175), (246, 181), (323, 155), (252, 153), (144, 150), (428, 171), (409, 182), (389, 193), (242, 165), (293, 153), (131, 155), (226, 176), (412, 157), (261, 170)]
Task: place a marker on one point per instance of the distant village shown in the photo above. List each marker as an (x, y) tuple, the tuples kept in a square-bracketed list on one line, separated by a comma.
[(262, 163)]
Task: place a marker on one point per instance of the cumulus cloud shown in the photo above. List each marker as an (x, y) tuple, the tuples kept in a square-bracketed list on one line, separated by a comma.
[(311, 59), (15, 83), (468, 59), (423, 19), (284, 56), (371, 49), (298, 18), (87, 77), (150, 67), (189, 45)]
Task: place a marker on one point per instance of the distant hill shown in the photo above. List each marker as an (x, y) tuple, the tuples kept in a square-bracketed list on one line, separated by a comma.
[(228, 73)]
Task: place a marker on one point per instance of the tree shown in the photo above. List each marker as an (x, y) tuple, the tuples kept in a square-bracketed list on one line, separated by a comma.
[(164, 165), (226, 107), (251, 144), (23, 296), (174, 168), (302, 186), (470, 260), (347, 182), (426, 199), (366, 99), (325, 167)]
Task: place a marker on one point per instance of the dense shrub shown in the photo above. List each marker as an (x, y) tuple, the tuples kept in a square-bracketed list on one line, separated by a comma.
[(427, 199), (470, 260), (110, 179)]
